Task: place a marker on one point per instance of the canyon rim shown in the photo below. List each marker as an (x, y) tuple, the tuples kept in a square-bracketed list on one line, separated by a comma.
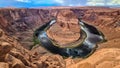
[(18, 25)]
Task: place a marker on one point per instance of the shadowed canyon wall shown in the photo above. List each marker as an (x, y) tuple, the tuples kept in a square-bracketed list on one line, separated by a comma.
[(18, 25), (21, 23)]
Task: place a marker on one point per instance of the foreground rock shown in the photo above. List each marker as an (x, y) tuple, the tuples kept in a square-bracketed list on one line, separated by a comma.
[(104, 58), (13, 55), (4, 65), (18, 25)]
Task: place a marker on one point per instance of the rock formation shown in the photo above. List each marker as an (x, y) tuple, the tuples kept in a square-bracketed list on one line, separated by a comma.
[(66, 29), (18, 25), (13, 55)]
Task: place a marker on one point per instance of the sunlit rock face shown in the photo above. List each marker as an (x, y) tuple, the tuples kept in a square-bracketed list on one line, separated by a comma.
[(66, 28), (105, 19), (21, 23), (83, 46)]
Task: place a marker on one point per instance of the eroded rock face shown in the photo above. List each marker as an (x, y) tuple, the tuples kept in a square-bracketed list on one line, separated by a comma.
[(16, 23), (54, 61), (66, 29), (13, 55), (4, 65), (104, 58), (7, 46), (21, 23)]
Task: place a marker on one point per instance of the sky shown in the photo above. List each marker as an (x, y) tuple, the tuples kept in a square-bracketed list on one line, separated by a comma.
[(47, 3)]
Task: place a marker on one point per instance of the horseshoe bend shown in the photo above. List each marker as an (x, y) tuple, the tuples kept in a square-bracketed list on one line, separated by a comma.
[(81, 37)]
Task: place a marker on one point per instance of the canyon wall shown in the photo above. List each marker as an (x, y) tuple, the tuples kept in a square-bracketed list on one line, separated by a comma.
[(21, 23), (18, 25)]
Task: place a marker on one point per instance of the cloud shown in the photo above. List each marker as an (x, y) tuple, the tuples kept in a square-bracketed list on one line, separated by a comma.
[(71, 2), (103, 2), (95, 4), (60, 2), (42, 3), (54, 2), (27, 1)]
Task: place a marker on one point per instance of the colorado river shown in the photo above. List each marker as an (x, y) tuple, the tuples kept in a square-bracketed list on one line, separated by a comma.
[(91, 37)]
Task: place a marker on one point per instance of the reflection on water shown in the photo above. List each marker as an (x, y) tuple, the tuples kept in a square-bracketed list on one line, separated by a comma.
[(80, 49)]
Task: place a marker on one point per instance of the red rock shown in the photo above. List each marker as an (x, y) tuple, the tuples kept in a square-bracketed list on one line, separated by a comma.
[(4, 65), (18, 25)]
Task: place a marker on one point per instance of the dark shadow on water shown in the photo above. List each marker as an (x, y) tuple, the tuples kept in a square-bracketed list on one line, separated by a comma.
[(84, 49)]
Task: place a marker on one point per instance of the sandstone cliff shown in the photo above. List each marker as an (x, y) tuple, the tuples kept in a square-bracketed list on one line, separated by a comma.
[(21, 23), (18, 25)]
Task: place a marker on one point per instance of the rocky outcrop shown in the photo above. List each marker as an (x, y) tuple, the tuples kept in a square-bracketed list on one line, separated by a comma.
[(21, 23), (104, 58), (18, 25), (13, 55), (66, 29)]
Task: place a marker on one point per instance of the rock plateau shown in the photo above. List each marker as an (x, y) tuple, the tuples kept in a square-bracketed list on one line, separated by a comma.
[(18, 25)]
